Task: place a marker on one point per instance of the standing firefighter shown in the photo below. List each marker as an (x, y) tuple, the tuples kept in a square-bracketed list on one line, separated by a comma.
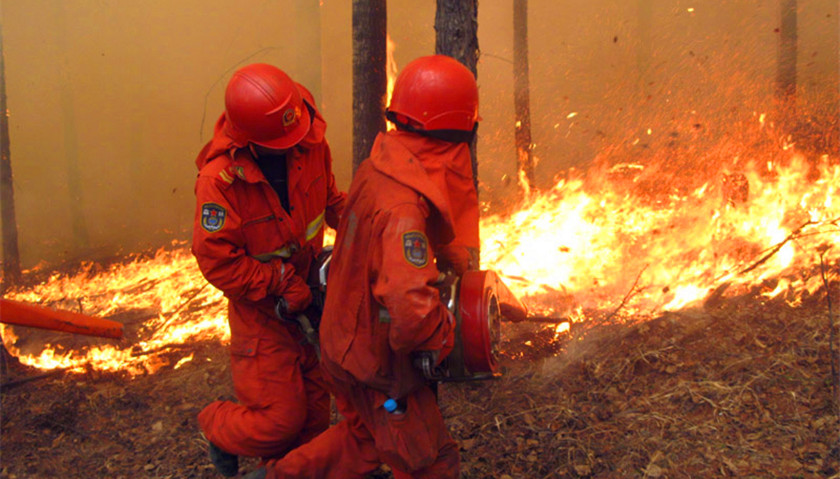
[(412, 211), (264, 189)]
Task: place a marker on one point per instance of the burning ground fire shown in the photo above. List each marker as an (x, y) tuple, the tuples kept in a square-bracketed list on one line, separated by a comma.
[(187, 309), (591, 243), (599, 248)]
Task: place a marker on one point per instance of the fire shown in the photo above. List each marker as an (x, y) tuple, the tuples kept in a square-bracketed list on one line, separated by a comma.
[(391, 71), (593, 242), (185, 308)]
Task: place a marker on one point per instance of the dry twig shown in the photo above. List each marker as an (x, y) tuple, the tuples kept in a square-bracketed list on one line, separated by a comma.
[(791, 237), (17, 382), (627, 296), (183, 304)]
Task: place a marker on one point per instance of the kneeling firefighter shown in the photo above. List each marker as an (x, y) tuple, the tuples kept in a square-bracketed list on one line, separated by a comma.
[(412, 208), (264, 190)]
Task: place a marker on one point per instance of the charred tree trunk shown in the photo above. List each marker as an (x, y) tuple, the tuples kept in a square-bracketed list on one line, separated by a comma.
[(456, 27), (369, 77), (522, 91), (11, 255), (786, 72)]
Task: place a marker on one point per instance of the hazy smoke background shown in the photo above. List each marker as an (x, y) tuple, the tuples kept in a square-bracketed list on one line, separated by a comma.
[(110, 100)]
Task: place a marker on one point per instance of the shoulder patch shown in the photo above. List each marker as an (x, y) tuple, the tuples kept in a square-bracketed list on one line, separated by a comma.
[(416, 248), (212, 217)]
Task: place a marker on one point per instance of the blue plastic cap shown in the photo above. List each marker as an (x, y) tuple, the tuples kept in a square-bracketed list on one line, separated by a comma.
[(390, 405)]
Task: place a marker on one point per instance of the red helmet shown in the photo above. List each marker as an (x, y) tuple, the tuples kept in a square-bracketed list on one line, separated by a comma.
[(438, 92), (264, 106)]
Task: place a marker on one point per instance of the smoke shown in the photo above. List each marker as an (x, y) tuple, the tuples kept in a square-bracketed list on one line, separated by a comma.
[(110, 103)]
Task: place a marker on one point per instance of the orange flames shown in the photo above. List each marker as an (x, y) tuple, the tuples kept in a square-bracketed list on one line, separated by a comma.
[(595, 242), (591, 243), (183, 307), (595, 248), (391, 70)]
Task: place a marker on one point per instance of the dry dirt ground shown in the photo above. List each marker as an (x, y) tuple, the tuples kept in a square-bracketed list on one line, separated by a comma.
[(740, 387)]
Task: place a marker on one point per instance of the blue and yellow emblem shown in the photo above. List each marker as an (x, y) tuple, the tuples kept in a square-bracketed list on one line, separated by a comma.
[(416, 248), (212, 217)]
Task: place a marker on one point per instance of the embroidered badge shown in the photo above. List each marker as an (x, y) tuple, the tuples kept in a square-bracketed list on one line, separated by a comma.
[(212, 217), (290, 115), (415, 248)]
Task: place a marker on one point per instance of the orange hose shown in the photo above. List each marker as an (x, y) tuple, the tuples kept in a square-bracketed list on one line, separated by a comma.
[(23, 314)]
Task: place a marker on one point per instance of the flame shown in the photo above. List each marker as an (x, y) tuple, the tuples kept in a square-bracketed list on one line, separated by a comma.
[(593, 242), (596, 242), (183, 361), (185, 309), (391, 71)]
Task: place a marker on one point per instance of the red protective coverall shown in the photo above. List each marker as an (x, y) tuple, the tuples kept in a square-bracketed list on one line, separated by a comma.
[(382, 306), (241, 237)]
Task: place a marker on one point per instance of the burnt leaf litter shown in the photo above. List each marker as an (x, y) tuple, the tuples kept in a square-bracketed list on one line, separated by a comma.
[(741, 386)]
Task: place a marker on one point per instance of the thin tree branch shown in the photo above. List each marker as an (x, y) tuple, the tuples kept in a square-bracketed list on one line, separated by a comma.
[(775, 249), (627, 296)]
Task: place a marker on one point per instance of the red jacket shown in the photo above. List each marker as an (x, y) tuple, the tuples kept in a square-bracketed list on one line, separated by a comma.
[(242, 236), (382, 304)]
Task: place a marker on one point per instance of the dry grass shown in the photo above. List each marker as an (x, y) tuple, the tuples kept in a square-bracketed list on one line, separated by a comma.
[(739, 388)]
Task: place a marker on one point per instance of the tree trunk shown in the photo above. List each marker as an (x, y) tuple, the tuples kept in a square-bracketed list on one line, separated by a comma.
[(456, 27), (11, 255), (786, 72), (522, 94), (369, 76)]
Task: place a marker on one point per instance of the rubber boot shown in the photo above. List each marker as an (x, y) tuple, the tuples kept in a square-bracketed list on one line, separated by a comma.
[(226, 463)]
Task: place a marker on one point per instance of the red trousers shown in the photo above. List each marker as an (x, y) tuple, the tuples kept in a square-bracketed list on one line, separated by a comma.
[(415, 444), (282, 397)]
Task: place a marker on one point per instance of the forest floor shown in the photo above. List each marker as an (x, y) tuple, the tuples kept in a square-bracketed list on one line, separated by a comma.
[(742, 386)]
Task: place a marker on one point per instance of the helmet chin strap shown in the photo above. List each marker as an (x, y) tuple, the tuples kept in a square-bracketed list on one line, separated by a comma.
[(451, 136)]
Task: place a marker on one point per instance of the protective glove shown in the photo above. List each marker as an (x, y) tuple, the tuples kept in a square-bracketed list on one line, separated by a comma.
[(459, 258), (294, 297)]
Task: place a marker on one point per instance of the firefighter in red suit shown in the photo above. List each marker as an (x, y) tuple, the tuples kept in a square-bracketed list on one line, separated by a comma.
[(412, 212), (265, 188)]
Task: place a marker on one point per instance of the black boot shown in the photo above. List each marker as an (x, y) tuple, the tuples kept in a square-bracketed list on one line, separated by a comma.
[(226, 463), (257, 474)]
